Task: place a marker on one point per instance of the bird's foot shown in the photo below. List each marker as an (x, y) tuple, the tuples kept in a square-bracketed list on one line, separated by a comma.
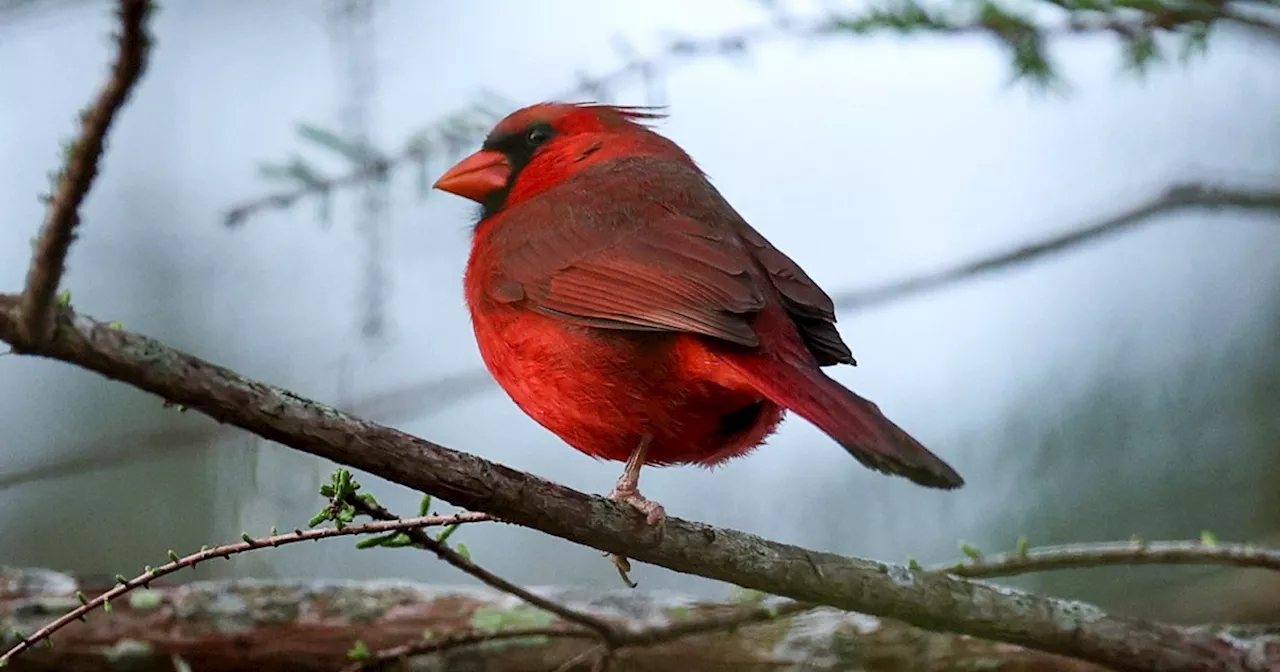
[(654, 516)]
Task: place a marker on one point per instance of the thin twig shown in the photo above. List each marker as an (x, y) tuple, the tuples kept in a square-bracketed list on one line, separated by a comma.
[(381, 659), (78, 173), (406, 525), (1176, 198), (643, 69), (746, 616), (603, 629), (1158, 19), (658, 634), (1076, 556)]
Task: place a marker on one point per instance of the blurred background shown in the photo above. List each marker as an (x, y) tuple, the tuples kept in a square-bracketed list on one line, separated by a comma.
[(1126, 387)]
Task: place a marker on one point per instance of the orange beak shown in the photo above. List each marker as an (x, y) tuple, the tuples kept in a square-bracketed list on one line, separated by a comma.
[(477, 176)]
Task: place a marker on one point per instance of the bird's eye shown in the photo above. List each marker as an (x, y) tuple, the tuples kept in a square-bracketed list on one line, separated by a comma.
[(538, 135)]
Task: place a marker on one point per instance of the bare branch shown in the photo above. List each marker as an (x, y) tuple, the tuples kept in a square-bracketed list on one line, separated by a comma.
[(602, 629), (382, 659), (931, 600), (225, 551), (77, 175), (411, 402), (676, 52), (1176, 198), (1024, 37), (658, 634), (1076, 556), (275, 628)]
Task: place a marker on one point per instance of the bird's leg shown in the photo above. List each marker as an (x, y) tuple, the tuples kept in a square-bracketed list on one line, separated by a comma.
[(627, 490), (628, 487)]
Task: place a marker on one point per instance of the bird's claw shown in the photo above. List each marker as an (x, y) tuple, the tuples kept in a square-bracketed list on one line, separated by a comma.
[(654, 516)]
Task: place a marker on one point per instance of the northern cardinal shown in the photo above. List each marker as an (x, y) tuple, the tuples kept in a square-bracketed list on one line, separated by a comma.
[(624, 305)]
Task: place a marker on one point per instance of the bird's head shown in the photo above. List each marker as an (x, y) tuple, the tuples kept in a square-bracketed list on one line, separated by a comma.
[(542, 145)]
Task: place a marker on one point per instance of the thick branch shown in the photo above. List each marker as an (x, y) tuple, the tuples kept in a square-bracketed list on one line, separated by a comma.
[(1076, 556), (1176, 198), (79, 172), (270, 626), (934, 601)]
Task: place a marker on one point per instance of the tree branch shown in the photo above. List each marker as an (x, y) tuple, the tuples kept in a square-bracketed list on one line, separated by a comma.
[(1174, 199), (1025, 38), (658, 634), (1077, 556), (601, 629), (176, 563), (77, 175), (272, 626), (929, 600)]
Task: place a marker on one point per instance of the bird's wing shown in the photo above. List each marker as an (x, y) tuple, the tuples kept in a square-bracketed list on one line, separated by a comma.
[(810, 308), (661, 272), (663, 251)]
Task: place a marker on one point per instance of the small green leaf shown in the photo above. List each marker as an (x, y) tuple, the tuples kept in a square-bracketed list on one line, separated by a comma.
[(970, 551), (1022, 547), (115, 324), (747, 596), (382, 540), (913, 564), (359, 651), (246, 538), (447, 532), (462, 550), (80, 596), (120, 579), (1207, 538), (145, 599), (106, 606), (424, 507), (489, 618), (679, 612), (64, 298), (173, 557)]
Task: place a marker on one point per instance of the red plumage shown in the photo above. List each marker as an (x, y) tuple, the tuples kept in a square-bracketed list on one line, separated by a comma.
[(622, 303)]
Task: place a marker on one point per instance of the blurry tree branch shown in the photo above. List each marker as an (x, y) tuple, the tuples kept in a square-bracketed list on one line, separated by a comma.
[(1174, 199), (117, 452), (1137, 25), (72, 183), (124, 585), (1136, 552), (270, 626), (930, 600)]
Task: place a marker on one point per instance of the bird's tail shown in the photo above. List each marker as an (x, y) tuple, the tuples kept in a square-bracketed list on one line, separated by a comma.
[(854, 422)]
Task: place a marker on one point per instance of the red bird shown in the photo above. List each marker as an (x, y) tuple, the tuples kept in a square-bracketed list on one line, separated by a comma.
[(624, 305)]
